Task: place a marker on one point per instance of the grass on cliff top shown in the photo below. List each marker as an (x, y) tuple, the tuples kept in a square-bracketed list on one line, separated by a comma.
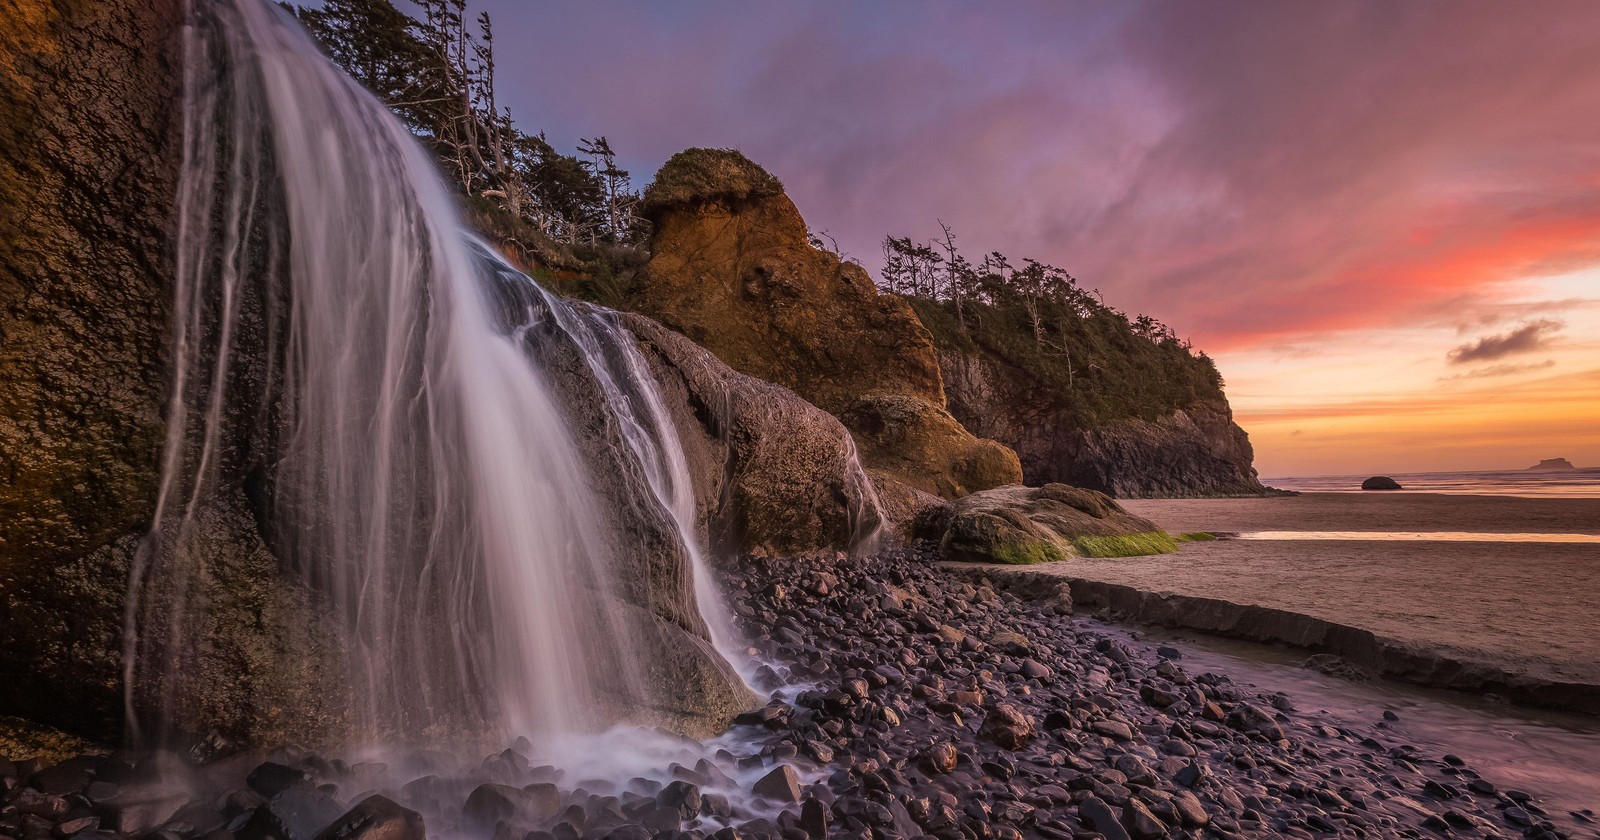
[(1126, 545)]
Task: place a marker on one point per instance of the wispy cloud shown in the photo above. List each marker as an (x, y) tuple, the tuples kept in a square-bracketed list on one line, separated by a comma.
[(1499, 370), (1139, 145), (1532, 336)]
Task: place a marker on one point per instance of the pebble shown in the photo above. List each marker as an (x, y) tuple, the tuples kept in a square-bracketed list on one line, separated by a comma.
[(937, 707)]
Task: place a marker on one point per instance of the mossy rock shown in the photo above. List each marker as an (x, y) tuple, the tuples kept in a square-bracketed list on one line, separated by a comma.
[(698, 176), (1020, 525), (1126, 545)]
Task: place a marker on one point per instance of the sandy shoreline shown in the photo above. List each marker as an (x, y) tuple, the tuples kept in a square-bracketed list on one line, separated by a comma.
[(1451, 614)]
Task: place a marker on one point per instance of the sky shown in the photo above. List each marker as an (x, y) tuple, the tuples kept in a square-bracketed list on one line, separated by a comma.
[(1381, 219)]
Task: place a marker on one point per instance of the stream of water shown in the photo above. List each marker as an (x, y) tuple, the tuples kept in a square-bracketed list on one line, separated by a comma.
[(423, 477)]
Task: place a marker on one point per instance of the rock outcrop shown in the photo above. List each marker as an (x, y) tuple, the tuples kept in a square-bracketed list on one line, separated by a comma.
[(1552, 465), (1021, 525), (731, 268), (1380, 482), (773, 473), (1198, 451), (88, 165)]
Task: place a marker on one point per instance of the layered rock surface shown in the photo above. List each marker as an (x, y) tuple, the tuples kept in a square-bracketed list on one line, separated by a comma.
[(732, 269), (1199, 451)]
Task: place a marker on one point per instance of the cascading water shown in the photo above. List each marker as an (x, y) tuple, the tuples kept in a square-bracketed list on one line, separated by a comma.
[(422, 476)]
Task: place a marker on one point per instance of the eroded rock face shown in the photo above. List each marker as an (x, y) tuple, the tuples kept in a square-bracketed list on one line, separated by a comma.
[(88, 150), (906, 434), (1020, 525), (732, 269), (89, 101), (773, 473), (1196, 452)]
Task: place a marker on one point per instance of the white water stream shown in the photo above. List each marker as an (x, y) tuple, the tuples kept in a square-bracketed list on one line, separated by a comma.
[(425, 480)]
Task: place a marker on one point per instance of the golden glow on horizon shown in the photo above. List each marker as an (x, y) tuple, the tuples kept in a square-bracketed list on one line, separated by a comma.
[(1376, 401)]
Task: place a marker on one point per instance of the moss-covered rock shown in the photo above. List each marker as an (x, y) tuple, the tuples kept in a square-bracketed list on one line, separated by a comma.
[(1022, 525)]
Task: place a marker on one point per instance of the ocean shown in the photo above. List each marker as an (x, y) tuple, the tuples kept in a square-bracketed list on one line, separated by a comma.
[(1531, 484)]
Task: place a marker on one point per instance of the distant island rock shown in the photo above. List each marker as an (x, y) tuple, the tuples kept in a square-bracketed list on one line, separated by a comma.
[(1380, 482), (1552, 465)]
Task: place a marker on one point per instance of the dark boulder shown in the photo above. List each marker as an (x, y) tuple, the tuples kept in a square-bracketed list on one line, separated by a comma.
[(1380, 482), (376, 818)]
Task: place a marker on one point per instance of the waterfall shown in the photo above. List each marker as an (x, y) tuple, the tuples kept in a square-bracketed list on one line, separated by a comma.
[(422, 476)]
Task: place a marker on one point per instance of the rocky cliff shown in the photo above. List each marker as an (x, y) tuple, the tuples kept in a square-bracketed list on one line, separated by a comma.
[(1194, 451), (88, 141), (731, 268), (89, 150)]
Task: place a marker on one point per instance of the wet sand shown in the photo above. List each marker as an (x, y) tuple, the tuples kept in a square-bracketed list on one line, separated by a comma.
[(1458, 614)]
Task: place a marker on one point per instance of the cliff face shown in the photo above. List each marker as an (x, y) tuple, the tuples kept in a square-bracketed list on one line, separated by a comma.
[(89, 157), (1198, 451), (89, 149), (731, 268)]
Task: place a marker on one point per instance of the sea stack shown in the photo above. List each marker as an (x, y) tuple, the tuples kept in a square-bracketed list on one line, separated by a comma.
[(1380, 482), (1552, 465)]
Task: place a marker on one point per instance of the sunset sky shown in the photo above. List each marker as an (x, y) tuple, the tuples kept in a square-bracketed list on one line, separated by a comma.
[(1382, 219)]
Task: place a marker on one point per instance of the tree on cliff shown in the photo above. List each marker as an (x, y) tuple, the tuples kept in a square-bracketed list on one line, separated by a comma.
[(1085, 356), (437, 73)]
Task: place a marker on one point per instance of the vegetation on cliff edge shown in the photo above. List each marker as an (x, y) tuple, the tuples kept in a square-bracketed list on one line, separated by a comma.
[(1075, 353)]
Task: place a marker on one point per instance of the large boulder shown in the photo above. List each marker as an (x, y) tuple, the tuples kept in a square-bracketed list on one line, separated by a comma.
[(773, 473), (906, 434), (1020, 525), (732, 268)]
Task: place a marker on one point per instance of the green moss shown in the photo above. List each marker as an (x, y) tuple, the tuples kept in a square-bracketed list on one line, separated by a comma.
[(1126, 545), (1195, 536), (1026, 554)]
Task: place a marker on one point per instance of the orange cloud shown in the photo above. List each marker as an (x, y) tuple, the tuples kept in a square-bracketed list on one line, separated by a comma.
[(1504, 427)]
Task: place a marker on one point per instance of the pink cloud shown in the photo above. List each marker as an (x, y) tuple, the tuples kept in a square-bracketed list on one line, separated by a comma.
[(1245, 172)]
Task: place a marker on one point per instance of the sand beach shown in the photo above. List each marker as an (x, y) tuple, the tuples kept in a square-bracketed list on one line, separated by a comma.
[(1412, 594)]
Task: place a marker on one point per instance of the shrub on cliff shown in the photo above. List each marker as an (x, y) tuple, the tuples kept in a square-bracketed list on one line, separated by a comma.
[(1075, 352), (695, 176)]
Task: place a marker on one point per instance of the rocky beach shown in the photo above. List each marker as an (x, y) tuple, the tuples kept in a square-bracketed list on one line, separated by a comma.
[(1485, 594), (371, 469), (909, 701)]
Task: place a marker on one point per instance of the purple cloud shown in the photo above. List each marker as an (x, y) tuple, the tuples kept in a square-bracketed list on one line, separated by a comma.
[(1243, 171), (1532, 336)]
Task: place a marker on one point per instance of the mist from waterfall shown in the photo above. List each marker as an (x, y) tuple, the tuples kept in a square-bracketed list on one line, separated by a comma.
[(424, 480)]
